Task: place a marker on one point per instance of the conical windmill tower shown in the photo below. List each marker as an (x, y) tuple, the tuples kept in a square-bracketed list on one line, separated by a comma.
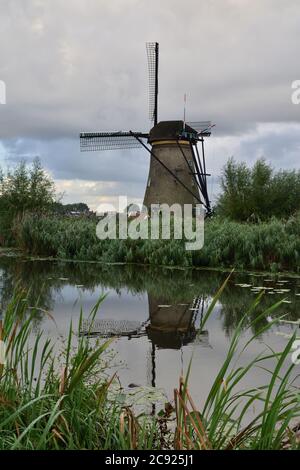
[(177, 171)]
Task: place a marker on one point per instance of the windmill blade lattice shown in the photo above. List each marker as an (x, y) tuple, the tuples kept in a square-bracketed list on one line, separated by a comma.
[(95, 141), (152, 56)]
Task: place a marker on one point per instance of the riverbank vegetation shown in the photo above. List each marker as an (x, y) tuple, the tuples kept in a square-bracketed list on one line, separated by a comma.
[(270, 246), (70, 401), (256, 223), (23, 190), (258, 193)]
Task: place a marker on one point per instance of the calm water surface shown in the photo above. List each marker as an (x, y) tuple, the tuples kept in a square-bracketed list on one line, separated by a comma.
[(154, 315)]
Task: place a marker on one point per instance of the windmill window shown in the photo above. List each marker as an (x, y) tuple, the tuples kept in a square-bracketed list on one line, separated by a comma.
[(149, 182)]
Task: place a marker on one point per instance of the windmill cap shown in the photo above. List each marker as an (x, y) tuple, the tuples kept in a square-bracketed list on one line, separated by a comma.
[(170, 130)]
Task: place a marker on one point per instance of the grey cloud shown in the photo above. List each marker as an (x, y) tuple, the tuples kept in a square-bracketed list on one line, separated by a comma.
[(64, 159), (72, 66), (79, 66)]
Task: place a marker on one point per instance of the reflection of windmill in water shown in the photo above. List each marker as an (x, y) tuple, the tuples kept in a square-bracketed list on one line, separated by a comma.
[(177, 171), (168, 327), (173, 326)]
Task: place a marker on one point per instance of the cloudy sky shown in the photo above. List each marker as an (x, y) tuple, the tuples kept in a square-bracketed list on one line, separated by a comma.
[(74, 65)]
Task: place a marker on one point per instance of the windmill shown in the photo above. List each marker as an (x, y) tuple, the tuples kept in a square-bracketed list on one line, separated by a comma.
[(177, 172)]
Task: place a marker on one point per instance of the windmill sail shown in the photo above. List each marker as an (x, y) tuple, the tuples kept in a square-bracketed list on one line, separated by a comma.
[(152, 55), (95, 141)]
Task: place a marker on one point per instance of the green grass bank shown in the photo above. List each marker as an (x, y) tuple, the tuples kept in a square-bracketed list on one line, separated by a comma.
[(271, 246)]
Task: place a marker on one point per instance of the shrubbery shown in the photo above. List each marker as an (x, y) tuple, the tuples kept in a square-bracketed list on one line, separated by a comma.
[(258, 193), (23, 189), (271, 246), (29, 219)]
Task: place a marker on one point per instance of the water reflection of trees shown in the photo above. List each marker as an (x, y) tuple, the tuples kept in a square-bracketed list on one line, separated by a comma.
[(237, 301), (43, 280)]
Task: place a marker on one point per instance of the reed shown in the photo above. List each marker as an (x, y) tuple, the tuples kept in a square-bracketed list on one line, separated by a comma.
[(273, 245), (51, 402), (223, 422), (66, 401)]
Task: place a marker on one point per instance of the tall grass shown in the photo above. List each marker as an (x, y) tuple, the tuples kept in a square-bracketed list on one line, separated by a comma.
[(66, 402), (270, 246), (76, 239), (51, 404), (223, 422)]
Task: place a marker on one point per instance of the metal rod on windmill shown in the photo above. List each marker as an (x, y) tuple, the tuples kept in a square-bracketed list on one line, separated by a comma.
[(184, 107), (177, 172)]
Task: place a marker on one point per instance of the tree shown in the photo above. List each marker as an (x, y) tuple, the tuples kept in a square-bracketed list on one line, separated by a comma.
[(41, 188), (23, 189), (257, 193), (260, 190), (235, 184)]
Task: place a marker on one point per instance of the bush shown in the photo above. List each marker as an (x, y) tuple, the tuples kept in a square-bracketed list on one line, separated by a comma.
[(254, 194), (21, 190)]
